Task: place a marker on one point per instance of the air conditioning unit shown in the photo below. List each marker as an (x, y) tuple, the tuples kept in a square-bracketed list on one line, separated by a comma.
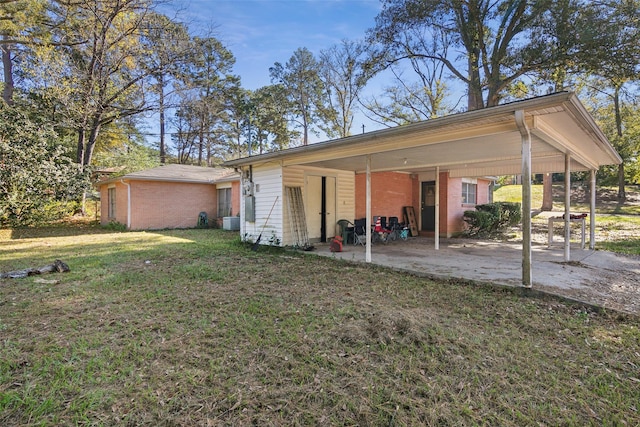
[(231, 223)]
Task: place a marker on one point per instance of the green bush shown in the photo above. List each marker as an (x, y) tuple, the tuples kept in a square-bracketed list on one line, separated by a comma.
[(38, 181), (492, 217)]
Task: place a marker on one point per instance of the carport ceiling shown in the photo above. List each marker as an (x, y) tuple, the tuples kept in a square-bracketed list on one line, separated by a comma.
[(476, 143)]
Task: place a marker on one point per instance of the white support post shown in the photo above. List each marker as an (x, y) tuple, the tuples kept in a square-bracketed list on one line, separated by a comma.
[(592, 212), (437, 219), (526, 198), (368, 210), (567, 207)]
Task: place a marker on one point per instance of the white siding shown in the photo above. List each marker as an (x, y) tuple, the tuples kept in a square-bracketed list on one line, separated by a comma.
[(267, 186), (294, 176)]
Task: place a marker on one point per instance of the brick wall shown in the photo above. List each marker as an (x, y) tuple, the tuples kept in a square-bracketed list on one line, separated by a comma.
[(455, 209), (121, 204), (158, 205), (390, 191)]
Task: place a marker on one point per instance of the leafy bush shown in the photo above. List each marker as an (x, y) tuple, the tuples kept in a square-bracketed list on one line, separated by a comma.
[(492, 217), (38, 182)]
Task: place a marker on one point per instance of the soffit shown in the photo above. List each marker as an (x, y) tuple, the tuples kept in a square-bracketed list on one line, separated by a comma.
[(471, 144)]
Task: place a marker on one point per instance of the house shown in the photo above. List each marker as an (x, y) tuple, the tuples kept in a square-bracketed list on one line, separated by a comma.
[(437, 168), (170, 196)]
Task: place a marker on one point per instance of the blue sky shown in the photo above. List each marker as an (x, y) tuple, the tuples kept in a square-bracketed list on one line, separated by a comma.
[(262, 32)]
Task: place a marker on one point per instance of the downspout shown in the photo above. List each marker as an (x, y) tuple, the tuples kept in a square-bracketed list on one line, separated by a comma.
[(368, 210), (437, 218), (526, 198), (128, 203), (567, 207), (592, 212)]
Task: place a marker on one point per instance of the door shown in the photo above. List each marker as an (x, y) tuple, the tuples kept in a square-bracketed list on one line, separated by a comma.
[(428, 204), (321, 207)]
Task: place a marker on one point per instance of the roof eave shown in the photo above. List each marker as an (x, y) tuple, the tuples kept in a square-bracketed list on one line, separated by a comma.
[(440, 122)]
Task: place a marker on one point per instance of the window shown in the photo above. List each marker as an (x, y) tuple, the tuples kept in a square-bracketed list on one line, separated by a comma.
[(469, 193), (224, 202), (111, 200)]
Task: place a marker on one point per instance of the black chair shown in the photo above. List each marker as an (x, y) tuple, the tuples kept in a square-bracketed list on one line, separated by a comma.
[(360, 232)]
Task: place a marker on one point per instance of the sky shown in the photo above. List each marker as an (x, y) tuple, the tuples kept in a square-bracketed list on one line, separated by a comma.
[(260, 33)]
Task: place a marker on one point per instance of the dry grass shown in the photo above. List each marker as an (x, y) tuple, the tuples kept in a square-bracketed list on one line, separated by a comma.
[(184, 328)]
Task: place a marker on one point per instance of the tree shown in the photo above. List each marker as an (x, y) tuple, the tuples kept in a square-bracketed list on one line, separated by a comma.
[(267, 113), (411, 101), (207, 89), (38, 181), (340, 72), (104, 75), (617, 114), (167, 48), (501, 41), (300, 78), (20, 24), (184, 139), (610, 51)]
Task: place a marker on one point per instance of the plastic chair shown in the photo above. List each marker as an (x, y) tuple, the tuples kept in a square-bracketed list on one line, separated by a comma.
[(346, 230)]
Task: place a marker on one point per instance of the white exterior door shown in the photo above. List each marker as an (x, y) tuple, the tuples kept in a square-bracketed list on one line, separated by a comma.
[(320, 207)]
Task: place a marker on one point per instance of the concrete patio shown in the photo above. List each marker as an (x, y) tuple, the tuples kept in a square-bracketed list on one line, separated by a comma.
[(595, 277)]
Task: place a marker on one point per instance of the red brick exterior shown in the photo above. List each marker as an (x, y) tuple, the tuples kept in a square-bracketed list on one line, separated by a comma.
[(390, 191), (159, 205)]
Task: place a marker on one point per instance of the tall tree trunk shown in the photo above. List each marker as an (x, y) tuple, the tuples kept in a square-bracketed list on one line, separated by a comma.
[(559, 78), (201, 143), (622, 196), (7, 66), (81, 144), (163, 154), (90, 143), (475, 101), (547, 192)]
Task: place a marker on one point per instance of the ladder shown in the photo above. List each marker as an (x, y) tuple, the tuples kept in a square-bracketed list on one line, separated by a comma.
[(411, 218), (297, 218)]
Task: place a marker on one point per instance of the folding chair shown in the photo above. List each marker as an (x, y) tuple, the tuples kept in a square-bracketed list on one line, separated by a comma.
[(360, 232)]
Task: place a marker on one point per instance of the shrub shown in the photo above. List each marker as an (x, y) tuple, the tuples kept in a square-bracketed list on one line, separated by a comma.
[(492, 217), (38, 181)]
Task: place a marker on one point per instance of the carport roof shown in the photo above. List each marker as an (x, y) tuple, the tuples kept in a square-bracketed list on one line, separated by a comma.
[(475, 143)]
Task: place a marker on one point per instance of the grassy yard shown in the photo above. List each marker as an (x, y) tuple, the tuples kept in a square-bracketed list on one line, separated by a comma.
[(617, 227), (186, 328)]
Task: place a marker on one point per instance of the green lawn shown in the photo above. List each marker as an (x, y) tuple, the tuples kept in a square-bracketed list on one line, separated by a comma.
[(184, 328), (617, 227)]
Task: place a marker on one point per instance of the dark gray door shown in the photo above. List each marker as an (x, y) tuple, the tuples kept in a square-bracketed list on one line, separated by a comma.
[(428, 206)]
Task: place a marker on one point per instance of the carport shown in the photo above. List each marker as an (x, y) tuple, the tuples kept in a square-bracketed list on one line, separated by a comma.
[(547, 134)]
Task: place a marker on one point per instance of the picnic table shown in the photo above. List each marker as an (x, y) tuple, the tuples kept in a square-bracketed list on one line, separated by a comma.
[(579, 218)]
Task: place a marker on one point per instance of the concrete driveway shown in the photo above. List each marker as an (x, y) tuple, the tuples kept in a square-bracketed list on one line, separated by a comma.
[(596, 277)]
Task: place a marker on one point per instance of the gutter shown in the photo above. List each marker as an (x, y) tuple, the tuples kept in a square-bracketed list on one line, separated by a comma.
[(128, 203)]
